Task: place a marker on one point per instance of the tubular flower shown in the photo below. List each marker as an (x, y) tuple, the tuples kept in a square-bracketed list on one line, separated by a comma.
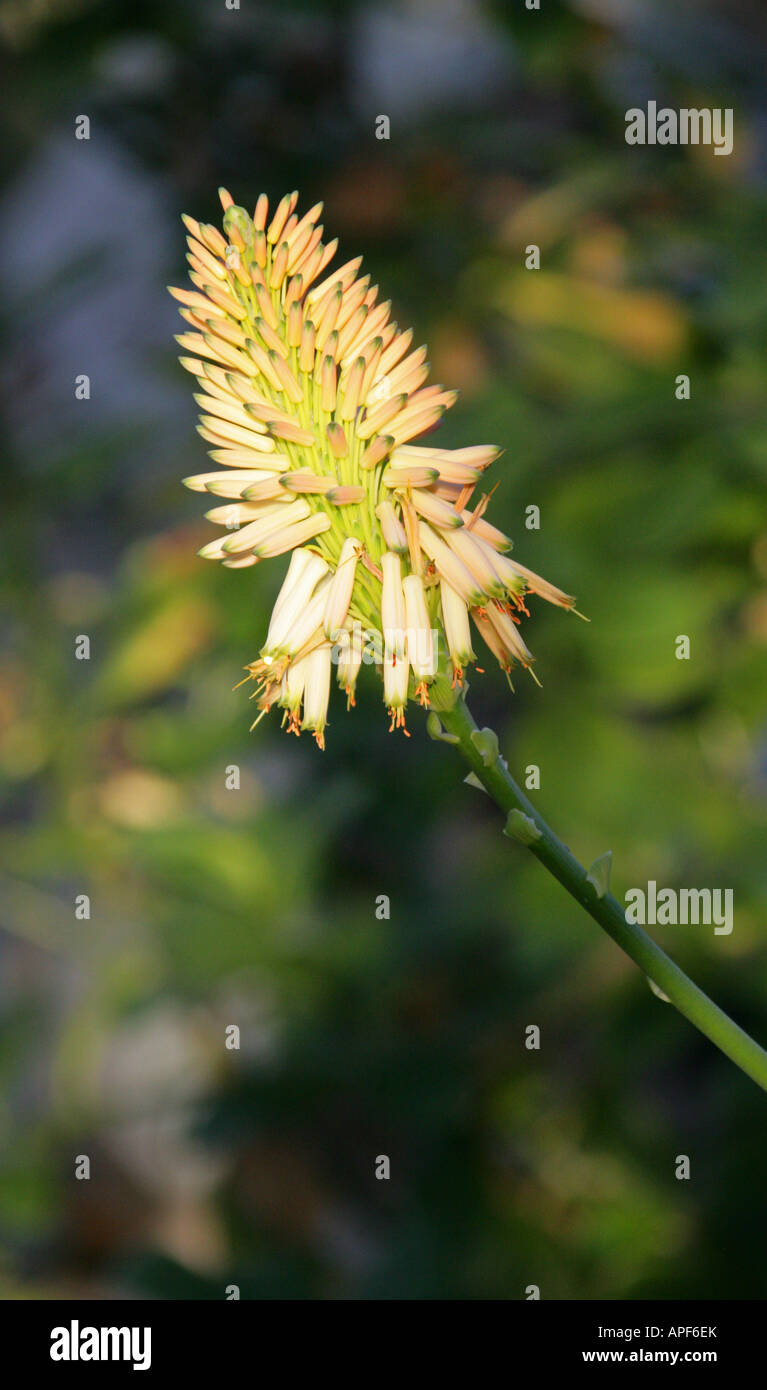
[(310, 399)]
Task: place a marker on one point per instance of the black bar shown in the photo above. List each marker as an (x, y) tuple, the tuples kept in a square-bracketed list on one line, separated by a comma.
[(208, 1339)]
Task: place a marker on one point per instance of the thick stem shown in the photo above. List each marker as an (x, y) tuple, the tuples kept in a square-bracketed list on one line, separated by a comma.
[(492, 772)]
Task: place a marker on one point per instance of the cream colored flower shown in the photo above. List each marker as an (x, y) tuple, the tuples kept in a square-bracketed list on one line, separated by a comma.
[(310, 400)]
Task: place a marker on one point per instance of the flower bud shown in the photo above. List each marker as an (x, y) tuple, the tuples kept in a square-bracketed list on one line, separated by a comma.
[(455, 617), (341, 589), (393, 604), (421, 646), (317, 692)]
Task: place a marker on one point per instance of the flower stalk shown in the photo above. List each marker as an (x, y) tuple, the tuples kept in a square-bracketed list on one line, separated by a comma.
[(490, 769), (312, 400)]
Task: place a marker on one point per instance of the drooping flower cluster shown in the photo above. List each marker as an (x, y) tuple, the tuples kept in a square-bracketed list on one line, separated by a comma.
[(311, 399)]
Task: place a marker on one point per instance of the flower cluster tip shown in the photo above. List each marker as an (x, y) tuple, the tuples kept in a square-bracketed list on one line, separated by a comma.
[(310, 400)]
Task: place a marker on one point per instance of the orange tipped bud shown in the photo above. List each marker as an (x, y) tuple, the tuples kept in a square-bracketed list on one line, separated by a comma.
[(409, 477), (337, 440), (303, 481), (345, 496)]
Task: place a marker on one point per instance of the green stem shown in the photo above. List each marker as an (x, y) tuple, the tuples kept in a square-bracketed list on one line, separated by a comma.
[(606, 910)]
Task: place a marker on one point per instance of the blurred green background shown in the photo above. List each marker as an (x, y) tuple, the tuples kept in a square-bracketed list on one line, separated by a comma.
[(209, 907)]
